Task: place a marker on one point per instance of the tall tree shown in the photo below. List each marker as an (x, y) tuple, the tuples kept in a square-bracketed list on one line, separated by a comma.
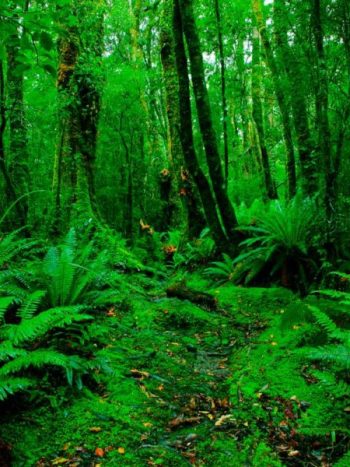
[(223, 88), (322, 104), (280, 96), (79, 106), (205, 120), (186, 133), (296, 91), (18, 153), (182, 190), (259, 117)]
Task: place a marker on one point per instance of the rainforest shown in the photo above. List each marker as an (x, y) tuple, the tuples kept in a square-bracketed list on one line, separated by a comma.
[(174, 233)]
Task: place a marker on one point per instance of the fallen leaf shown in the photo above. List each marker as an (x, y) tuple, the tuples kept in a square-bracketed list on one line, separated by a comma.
[(179, 421), (223, 419), (95, 429), (59, 460), (121, 450), (293, 453), (139, 374), (99, 452)]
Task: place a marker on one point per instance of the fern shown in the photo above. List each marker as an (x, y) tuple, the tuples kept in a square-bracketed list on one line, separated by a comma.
[(5, 302), (221, 270), (70, 271), (281, 237), (17, 350), (36, 358), (30, 305), (11, 385)]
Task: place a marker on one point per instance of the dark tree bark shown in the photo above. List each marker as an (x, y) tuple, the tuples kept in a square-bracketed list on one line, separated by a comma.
[(186, 134), (259, 118), (181, 193), (10, 192), (223, 89), (205, 121)]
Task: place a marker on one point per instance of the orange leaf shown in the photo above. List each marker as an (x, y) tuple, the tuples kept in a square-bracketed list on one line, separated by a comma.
[(99, 452)]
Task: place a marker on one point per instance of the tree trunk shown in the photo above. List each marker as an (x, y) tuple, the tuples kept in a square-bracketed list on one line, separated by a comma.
[(280, 96), (79, 107), (182, 193), (205, 121), (186, 134), (321, 96), (287, 59), (223, 89), (10, 192), (258, 116), (18, 168)]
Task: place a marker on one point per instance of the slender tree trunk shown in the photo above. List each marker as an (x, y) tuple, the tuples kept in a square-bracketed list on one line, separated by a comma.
[(258, 116), (186, 134), (129, 198), (288, 60), (280, 96), (205, 121), (10, 192), (182, 192), (324, 135), (223, 89), (18, 168)]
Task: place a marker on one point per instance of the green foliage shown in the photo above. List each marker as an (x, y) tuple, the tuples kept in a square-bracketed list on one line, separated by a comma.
[(223, 271), (279, 244), (28, 343), (71, 271)]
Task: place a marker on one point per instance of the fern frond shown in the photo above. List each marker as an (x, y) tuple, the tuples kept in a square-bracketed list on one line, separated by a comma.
[(30, 305), (8, 351), (38, 326), (5, 302), (11, 385), (38, 359)]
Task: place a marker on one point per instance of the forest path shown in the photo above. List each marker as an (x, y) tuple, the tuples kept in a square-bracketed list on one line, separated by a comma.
[(166, 397), (186, 380)]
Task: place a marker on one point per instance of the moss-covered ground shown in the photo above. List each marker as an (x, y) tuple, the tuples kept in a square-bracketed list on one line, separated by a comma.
[(187, 385)]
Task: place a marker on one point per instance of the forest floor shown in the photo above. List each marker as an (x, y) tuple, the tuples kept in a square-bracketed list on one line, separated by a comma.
[(175, 393)]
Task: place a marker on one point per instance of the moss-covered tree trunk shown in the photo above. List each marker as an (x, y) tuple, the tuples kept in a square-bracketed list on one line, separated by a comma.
[(258, 117), (224, 205), (80, 51), (182, 195), (65, 163), (223, 88), (186, 134)]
